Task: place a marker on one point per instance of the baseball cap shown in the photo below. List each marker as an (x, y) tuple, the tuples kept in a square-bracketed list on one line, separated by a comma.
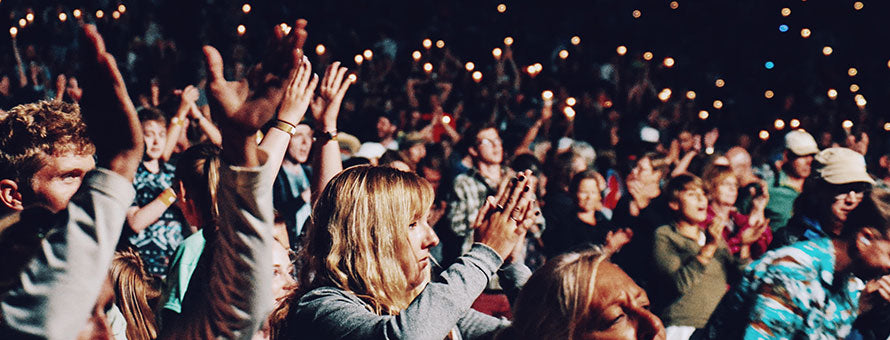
[(801, 143), (842, 166)]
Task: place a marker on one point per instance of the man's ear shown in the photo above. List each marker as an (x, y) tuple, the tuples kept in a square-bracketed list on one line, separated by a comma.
[(674, 205), (10, 195), (473, 152), (865, 238)]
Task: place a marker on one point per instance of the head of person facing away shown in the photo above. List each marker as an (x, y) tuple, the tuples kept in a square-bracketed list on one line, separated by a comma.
[(581, 295), (46, 154), (370, 236)]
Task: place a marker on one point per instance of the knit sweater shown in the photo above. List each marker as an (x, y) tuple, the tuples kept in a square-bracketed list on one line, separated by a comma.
[(332, 313), (689, 290)]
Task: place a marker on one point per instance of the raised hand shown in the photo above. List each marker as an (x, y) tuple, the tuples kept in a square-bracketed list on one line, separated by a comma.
[(752, 234), (298, 94), (244, 107), (503, 220), (715, 231), (617, 239), (326, 106), (111, 118)]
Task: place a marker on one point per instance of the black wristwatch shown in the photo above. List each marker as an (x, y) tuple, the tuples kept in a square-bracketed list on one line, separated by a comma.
[(325, 136)]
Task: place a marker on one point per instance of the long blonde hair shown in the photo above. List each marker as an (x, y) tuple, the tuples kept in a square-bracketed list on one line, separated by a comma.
[(134, 294), (557, 299), (358, 239)]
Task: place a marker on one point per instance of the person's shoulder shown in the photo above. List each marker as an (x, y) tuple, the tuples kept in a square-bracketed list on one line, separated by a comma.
[(799, 261)]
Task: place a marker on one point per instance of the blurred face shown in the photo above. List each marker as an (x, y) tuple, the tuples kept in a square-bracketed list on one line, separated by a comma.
[(844, 203), (645, 172), (416, 152), (620, 309), (588, 196), (300, 144), (282, 281), (155, 135), (692, 205), (489, 147), (727, 191), (385, 128), (59, 178), (687, 142), (801, 166), (421, 237), (875, 253), (433, 176), (740, 162)]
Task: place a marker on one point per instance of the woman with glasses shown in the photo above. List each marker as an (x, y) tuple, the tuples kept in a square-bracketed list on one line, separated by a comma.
[(838, 186)]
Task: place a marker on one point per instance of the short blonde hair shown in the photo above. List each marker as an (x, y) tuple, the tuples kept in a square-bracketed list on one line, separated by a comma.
[(558, 298), (357, 240), (713, 176), (29, 131)]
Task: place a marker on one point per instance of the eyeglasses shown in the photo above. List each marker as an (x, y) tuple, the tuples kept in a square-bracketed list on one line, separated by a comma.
[(854, 194)]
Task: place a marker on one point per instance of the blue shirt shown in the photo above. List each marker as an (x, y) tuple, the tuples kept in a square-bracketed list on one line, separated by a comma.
[(790, 293)]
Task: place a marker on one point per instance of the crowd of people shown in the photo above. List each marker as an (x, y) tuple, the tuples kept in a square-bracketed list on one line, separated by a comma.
[(268, 202)]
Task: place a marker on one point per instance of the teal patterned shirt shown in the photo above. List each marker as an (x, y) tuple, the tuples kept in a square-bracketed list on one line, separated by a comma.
[(790, 293)]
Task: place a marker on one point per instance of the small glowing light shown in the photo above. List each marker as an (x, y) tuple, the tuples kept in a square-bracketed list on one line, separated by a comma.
[(794, 123), (764, 135), (888, 63), (538, 67), (637, 14), (496, 52), (427, 43), (719, 83), (116, 15), (440, 43), (664, 95), (832, 93), (675, 5), (416, 55), (63, 17), (783, 28), (100, 14), (570, 101), (320, 49), (29, 17), (121, 8), (827, 50), (13, 31), (769, 94), (563, 54), (531, 69), (854, 88), (886, 126), (858, 5), (502, 8), (547, 95), (358, 59), (77, 13), (477, 76), (427, 67), (805, 33), (22, 22), (245, 8), (352, 77), (607, 104), (241, 29), (852, 71), (669, 62), (718, 104), (786, 12), (647, 55), (446, 119), (470, 66), (623, 50), (769, 65), (508, 41), (576, 40), (860, 100), (285, 28), (368, 54), (779, 124), (569, 112), (847, 124), (690, 95), (703, 114)]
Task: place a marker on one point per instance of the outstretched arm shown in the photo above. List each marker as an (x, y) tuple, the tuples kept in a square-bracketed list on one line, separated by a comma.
[(327, 161)]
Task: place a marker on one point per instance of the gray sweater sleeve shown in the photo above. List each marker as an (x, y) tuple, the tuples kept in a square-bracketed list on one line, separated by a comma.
[(238, 294), (59, 286), (330, 313)]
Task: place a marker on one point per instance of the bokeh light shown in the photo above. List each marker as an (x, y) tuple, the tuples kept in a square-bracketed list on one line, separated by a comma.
[(647, 55), (794, 123), (764, 135), (245, 8), (563, 54), (502, 8), (769, 94), (779, 124), (854, 88), (690, 95), (622, 50), (575, 40), (703, 114), (786, 12), (805, 33), (669, 62), (718, 104), (827, 50), (719, 83), (320, 49), (852, 72), (637, 14), (832, 94), (469, 66)]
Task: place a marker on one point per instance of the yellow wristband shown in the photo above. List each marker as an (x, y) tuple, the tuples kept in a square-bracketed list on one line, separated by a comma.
[(286, 127), (168, 197), (177, 121)]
